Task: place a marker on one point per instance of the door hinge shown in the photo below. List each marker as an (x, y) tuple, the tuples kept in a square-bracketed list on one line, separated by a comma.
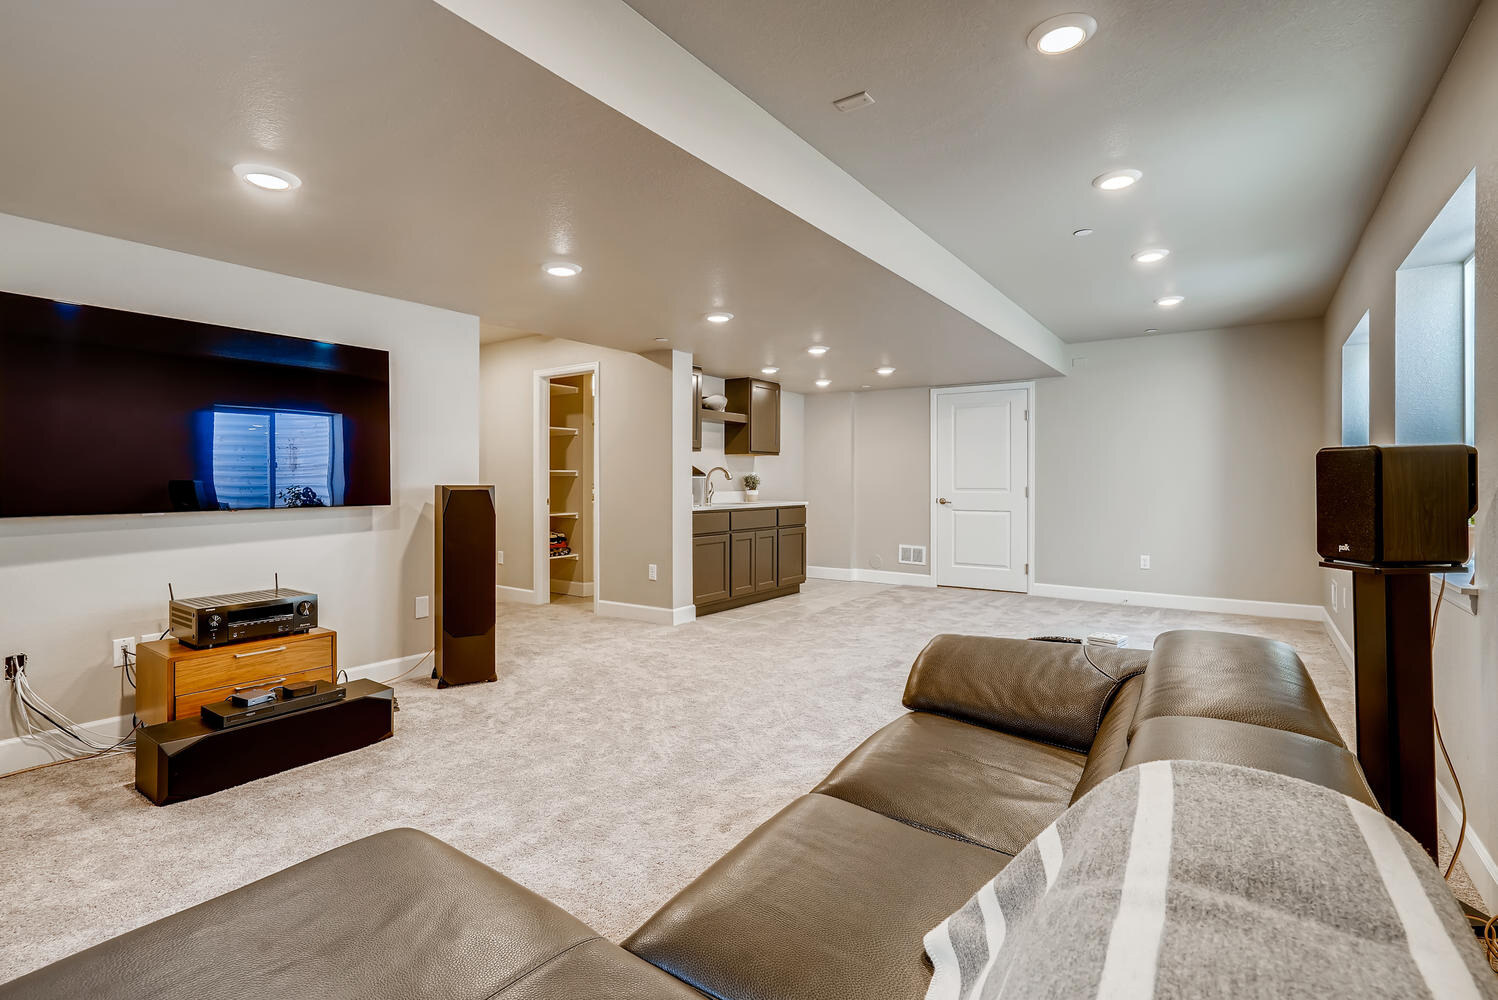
[(1027, 569), (1027, 492), (1027, 416)]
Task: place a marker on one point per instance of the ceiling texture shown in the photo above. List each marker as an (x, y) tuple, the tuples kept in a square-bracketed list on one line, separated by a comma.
[(1265, 130), (440, 166)]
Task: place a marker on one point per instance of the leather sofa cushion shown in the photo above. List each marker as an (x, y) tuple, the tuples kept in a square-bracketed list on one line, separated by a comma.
[(396, 915), (826, 899), (1054, 692), (1226, 742), (1107, 754), (958, 780), (1241, 678)]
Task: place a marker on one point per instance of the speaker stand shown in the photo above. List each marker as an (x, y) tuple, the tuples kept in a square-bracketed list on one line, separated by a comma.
[(1391, 651)]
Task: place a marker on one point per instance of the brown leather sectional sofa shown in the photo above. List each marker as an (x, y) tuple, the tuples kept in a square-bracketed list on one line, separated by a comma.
[(829, 898)]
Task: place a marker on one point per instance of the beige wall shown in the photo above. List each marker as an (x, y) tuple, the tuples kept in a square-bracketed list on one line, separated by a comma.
[(1196, 449), (782, 476), (829, 480), (635, 451), (1454, 137), (70, 585)]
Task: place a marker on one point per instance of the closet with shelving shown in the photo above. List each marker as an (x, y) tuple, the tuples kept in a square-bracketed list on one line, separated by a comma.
[(572, 490)]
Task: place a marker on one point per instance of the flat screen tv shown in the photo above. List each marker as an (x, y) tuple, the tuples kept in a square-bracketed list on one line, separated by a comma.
[(111, 412)]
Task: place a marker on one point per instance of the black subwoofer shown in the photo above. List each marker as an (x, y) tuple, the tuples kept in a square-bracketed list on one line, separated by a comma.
[(1395, 506), (464, 600)]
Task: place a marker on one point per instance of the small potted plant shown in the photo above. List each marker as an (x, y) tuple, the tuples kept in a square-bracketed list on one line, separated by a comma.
[(751, 487)]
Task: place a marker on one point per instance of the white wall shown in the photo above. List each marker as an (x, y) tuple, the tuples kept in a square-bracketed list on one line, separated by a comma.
[(1454, 137), (69, 585), (782, 476)]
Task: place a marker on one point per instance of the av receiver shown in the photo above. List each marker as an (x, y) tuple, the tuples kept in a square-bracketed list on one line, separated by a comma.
[(201, 622)]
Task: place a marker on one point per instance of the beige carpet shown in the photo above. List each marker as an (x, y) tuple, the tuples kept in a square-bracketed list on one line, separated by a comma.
[(611, 763)]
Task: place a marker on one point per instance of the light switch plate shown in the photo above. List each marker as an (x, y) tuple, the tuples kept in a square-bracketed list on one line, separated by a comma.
[(501, 557), (652, 571), (423, 606), (1144, 562)]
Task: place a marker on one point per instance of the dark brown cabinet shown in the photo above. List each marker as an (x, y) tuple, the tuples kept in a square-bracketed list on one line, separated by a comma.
[(759, 402), (790, 553), (710, 562), (741, 556), (696, 409)]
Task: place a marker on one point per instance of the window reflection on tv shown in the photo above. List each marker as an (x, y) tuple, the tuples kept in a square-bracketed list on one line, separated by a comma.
[(111, 412)]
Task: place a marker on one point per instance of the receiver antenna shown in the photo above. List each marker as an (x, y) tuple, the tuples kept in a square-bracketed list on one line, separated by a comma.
[(169, 591), (278, 584)]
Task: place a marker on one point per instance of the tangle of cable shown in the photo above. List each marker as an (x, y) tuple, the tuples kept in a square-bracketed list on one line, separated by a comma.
[(61, 735)]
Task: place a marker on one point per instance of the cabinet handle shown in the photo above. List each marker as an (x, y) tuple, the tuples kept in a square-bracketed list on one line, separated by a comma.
[(260, 684), (260, 652)]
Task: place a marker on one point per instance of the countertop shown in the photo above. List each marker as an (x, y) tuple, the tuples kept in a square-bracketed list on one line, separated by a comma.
[(742, 505)]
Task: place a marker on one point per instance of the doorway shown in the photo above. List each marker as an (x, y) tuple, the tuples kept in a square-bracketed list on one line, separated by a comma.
[(980, 477), (567, 535)]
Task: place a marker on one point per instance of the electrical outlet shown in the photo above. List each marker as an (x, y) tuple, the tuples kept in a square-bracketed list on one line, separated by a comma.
[(423, 606), (121, 646), (652, 571), (501, 557), (1144, 562)]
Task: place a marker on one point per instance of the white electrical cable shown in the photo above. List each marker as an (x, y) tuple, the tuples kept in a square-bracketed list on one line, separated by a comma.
[(62, 735)]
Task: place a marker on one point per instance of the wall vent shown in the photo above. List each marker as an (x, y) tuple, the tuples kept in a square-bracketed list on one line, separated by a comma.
[(913, 555)]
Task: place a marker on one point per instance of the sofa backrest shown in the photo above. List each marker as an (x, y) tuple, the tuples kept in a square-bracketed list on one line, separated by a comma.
[(1232, 699)]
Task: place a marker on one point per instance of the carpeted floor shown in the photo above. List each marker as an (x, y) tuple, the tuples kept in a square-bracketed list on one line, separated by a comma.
[(611, 763)]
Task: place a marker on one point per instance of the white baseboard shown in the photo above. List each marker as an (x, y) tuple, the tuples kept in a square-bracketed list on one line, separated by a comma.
[(1475, 857), (1182, 602), (571, 588), (647, 613), (519, 595), (871, 576), (1338, 639), (19, 753)]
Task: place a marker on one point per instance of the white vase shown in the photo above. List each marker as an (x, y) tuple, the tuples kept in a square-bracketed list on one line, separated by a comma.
[(751, 496)]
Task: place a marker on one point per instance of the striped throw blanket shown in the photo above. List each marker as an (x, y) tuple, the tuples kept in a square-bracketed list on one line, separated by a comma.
[(1184, 879)]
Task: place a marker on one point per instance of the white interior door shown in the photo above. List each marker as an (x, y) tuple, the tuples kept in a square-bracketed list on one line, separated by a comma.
[(982, 472)]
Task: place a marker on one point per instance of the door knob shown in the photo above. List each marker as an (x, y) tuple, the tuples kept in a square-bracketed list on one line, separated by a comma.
[(943, 500)]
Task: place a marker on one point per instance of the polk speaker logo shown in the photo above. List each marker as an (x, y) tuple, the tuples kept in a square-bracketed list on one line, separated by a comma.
[(1344, 547)]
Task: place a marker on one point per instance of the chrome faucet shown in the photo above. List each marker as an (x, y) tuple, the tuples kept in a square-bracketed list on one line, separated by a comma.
[(708, 492)]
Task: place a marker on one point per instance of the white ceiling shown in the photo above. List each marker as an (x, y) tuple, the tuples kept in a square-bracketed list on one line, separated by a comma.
[(1266, 130), (440, 166)]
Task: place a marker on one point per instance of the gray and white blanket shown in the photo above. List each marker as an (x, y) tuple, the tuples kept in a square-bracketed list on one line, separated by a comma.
[(1187, 879)]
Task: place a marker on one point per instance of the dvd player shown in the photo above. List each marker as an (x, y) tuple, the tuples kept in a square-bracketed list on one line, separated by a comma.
[(226, 714)]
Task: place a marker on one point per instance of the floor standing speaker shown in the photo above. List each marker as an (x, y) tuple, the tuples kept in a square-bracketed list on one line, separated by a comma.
[(465, 585)]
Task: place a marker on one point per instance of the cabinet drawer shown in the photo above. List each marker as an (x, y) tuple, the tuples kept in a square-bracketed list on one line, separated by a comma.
[(228, 668), (792, 515), (742, 520), (187, 705), (709, 522)]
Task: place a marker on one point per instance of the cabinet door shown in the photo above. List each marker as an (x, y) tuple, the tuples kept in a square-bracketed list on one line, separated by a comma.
[(696, 409), (792, 556), (764, 418), (710, 560), (741, 573), (766, 559)]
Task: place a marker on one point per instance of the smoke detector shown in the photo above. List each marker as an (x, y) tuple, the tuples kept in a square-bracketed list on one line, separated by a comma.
[(853, 101)]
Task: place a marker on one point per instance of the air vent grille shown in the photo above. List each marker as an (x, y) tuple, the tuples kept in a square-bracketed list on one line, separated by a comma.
[(913, 555)]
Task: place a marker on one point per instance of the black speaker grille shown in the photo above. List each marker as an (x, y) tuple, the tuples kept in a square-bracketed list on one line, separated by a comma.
[(468, 563)]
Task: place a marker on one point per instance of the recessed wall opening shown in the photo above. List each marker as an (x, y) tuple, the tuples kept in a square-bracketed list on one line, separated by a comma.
[(567, 546), (1355, 385), (1433, 328)]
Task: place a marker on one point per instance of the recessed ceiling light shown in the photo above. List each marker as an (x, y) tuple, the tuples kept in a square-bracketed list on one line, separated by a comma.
[(1116, 180), (267, 178), (866, 387), (662, 340), (1153, 256), (823, 383), (563, 269), (1062, 33), (718, 317), (1152, 330), (771, 370), (1081, 232), (1169, 301), (816, 351), (886, 370)]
